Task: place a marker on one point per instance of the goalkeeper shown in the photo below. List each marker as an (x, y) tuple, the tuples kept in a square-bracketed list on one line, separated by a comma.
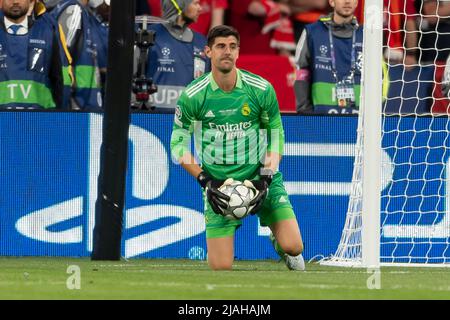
[(226, 110)]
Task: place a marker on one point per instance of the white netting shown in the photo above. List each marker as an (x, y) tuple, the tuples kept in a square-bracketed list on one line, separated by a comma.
[(415, 197), (348, 252)]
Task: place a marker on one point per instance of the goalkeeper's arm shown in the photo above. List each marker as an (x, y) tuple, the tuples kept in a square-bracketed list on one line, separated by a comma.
[(179, 145), (272, 161), (188, 162)]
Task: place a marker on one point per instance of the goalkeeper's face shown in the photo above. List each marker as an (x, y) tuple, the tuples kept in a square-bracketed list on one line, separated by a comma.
[(344, 8), (223, 53)]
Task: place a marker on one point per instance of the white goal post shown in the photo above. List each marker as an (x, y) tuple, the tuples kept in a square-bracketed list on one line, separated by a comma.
[(372, 93), (408, 222)]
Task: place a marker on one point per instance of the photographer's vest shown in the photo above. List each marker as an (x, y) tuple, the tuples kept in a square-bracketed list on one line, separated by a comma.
[(86, 90), (323, 82), (102, 31), (24, 67), (174, 64)]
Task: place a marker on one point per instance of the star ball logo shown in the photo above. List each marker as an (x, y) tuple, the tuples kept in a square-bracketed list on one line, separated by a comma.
[(165, 52), (323, 50)]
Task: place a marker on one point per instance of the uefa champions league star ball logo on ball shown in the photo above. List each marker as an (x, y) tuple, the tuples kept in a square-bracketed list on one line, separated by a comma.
[(240, 197)]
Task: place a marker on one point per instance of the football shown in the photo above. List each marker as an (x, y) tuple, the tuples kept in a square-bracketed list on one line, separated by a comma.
[(240, 197)]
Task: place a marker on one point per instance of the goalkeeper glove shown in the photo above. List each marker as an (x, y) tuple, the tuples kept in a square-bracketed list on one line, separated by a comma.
[(217, 199), (261, 188)]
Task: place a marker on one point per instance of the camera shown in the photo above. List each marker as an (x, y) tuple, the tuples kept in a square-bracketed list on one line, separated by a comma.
[(143, 87), (145, 38)]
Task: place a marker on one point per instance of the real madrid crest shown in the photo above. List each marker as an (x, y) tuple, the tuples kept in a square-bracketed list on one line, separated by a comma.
[(246, 110)]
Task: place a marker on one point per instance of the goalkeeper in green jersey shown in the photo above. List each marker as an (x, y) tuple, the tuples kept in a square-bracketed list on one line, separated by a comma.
[(228, 111)]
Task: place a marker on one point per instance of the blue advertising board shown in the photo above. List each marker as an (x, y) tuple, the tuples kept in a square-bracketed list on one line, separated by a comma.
[(49, 164)]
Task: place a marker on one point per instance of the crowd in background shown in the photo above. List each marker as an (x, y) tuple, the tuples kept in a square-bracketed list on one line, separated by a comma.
[(271, 26), (417, 33)]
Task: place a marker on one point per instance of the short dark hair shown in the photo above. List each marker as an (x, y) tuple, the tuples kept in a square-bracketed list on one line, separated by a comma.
[(222, 31)]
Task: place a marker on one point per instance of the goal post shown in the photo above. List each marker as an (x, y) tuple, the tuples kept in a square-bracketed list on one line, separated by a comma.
[(360, 241), (399, 206), (372, 92)]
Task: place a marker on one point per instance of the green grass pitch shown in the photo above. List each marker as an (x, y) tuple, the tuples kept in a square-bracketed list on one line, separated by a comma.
[(45, 278)]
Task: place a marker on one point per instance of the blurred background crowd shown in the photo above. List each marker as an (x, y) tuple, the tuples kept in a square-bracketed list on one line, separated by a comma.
[(416, 35)]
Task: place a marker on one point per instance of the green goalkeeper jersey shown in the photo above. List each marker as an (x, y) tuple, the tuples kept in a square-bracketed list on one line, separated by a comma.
[(232, 130)]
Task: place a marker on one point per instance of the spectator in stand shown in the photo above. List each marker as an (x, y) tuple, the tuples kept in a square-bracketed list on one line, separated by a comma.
[(276, 23), (264, 26), (435, 35), (305, 12), (155, 7), (329, 62), (213, 14), (401, 35), (249, 27)]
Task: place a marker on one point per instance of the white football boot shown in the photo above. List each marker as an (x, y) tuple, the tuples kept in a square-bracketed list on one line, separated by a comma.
[(296, 263)]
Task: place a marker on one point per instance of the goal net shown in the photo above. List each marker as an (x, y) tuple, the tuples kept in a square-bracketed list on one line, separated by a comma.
[(410, 174)]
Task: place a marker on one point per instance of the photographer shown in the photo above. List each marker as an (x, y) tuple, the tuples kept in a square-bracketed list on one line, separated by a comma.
[(329, 62), (177, 56), (82, 41), (30, 63), (100, 23)]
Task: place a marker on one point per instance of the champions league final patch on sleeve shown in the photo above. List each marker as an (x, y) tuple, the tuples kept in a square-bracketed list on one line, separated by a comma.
[(178, 116)]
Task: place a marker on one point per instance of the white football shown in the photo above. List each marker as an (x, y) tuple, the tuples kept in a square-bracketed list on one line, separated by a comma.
[(240, 197)]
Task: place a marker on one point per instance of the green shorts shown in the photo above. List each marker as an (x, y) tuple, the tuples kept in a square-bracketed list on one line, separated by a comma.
[(276, 207)]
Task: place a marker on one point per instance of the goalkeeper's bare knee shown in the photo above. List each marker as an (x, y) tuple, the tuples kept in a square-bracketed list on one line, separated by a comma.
[(293, 249)]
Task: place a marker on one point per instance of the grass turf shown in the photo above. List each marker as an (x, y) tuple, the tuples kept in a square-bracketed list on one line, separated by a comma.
[(45, 278)]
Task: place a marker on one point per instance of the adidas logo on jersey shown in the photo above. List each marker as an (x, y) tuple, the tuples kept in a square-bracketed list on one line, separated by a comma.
[(282, 200), (210, 114)]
